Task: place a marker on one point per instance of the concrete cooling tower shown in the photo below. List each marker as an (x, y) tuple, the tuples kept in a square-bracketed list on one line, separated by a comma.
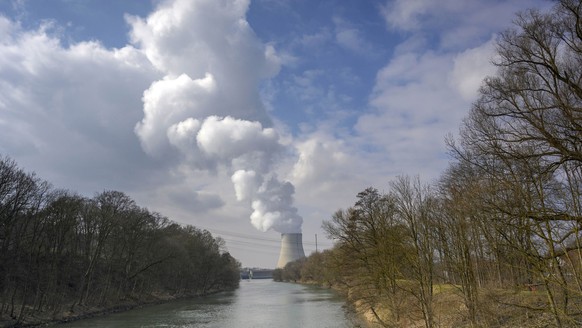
[(291, 248)]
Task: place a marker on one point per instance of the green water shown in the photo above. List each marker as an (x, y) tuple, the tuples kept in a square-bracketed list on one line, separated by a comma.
[(256, 304)]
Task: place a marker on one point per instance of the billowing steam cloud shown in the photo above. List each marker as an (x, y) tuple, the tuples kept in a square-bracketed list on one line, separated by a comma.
[(271, 201), (207, 105)]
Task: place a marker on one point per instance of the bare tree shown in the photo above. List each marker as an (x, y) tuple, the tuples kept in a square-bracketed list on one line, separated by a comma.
[(373, 247), (524, 135), (415, 205)]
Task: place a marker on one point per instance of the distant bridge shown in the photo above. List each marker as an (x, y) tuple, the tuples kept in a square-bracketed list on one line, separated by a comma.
[(256, 274)]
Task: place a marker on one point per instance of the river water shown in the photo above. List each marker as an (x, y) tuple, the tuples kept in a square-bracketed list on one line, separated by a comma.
[(256, 304)]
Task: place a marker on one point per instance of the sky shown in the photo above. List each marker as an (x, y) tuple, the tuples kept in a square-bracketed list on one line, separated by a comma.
[(245, 118)]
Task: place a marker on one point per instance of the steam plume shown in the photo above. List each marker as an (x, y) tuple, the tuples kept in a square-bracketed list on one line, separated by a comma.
[(207, 105)]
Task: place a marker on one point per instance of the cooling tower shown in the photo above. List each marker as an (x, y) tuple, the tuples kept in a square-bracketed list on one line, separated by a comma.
[(291, 248)]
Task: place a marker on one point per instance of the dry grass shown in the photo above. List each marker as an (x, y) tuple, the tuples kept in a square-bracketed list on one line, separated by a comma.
[(498, 308)]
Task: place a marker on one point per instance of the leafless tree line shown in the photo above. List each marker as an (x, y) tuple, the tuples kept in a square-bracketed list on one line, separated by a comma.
[(61, 253)]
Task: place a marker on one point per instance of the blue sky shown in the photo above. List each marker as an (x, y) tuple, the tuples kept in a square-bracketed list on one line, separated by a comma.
[(247, 118)]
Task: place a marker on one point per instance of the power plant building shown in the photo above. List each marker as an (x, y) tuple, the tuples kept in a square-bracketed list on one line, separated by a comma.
[(291, 248)]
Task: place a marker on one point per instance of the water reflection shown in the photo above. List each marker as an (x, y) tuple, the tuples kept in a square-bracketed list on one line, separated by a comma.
[(256, 304)]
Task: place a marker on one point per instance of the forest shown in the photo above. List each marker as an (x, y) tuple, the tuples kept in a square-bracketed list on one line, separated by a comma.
[(496, 241), (64, 256)]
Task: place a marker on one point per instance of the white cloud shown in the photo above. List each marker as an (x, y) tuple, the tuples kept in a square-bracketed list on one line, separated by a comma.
[(242, 143), (414, 108), (80, 116), (350, 37), (471, 67), (404, 14), (209, 71), (182, 135), (315, 40), (219, 40), (454, 24), (187, 199), (66, 107), (170, 101), (218, 119), (320, 161), (330, 170), (246, 183), (428, 86)]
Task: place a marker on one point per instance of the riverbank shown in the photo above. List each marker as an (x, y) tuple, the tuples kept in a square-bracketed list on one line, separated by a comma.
[(497, 308), (81, 312)]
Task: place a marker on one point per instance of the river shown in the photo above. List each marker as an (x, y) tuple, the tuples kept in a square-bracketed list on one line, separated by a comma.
[(256, 304)]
